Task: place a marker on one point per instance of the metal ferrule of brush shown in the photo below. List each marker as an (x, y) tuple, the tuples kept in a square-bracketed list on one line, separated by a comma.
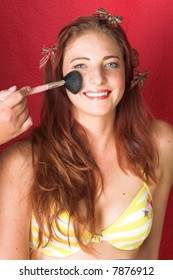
[(56, 84)]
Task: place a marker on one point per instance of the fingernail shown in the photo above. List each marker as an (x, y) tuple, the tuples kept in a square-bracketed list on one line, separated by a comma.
[(13, 88), (28, 89), (2, 99)]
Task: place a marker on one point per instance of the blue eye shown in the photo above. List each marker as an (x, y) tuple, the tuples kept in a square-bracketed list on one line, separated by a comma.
[(79, 66), (112, 65)]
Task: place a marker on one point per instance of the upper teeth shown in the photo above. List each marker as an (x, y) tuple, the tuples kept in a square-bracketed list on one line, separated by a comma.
[(95, 94)]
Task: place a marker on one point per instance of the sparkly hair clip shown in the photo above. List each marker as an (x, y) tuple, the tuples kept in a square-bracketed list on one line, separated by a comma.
[(112, 20), (48, 53)]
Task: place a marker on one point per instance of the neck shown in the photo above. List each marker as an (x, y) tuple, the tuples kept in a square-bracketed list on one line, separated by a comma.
[(100, 131)]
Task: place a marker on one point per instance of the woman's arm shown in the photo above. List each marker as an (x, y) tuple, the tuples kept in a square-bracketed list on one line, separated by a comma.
[(164, 139), (15, 181), (165, 144)]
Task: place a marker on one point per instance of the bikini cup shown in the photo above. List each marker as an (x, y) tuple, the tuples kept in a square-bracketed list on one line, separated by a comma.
[(128, 232)]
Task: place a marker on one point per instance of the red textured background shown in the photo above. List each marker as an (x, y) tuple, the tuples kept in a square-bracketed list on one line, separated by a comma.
[(25, 26)]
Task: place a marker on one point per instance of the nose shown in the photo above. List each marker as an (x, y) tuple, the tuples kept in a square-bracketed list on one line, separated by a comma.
[(96, 76)]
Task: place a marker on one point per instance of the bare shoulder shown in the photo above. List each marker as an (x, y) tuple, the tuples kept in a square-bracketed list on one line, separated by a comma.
[(16, 163), (164, 137), (163, 132), (17, 154)]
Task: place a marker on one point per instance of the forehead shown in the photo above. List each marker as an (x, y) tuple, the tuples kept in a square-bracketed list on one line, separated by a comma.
[(92, 42)]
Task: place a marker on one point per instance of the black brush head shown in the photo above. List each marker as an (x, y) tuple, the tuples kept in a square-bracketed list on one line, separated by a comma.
[(73, 81)]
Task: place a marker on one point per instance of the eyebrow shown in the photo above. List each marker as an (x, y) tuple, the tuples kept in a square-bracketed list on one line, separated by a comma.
[(86, 58), (111, 56), (79, 58)]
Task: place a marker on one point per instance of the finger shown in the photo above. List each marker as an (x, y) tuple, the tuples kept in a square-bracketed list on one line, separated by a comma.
[(12, 89), (21, 95), (24, 125), (9, 90), (19, 107), (6, 92), (25, 90), (21, 124), (27, 124), (14, 99), (12, 113), (24, 117)]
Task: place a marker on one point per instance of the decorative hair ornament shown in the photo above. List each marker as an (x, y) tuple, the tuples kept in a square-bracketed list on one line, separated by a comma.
[(48, 53), (139, 78), (112, 20), (135, 58)]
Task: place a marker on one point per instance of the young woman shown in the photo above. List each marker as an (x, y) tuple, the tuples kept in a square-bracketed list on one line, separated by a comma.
[(94, 179)]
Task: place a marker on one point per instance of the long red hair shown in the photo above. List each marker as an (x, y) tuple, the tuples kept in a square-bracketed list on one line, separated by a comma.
[(66, 175)]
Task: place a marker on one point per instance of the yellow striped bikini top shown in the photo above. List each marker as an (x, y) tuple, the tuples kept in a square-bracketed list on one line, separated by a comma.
[(128, 232)]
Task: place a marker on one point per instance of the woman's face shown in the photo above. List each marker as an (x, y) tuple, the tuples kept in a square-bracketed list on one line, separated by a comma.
[(100, 61)]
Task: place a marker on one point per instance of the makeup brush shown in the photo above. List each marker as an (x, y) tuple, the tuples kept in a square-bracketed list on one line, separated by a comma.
[(72, 81)]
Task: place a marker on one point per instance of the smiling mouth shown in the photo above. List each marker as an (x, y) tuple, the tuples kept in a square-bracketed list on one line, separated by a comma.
[(97, 95)]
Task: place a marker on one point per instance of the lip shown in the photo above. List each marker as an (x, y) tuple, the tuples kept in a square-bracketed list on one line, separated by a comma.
[(97, 94)]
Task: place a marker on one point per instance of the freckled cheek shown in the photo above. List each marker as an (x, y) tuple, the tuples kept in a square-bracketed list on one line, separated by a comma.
[(118, 81)]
